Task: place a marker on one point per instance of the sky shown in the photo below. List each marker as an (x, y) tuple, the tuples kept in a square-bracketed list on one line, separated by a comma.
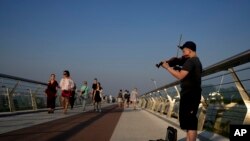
[(117, 41)]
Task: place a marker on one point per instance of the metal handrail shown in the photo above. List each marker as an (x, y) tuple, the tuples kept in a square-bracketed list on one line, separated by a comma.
[(21, 79), (236, 60)]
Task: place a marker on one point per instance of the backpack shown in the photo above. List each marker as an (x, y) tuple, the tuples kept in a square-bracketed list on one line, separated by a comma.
[(126, 96)]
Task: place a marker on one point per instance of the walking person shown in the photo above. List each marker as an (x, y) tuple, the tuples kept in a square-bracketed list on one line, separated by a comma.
[(66, 85), (97, 98), (94, 87), (110, 99), (72, 97), (120, 99), (127, 98), (190, 95), (84, 94), (133, 97), (51, 93), (101, 92)]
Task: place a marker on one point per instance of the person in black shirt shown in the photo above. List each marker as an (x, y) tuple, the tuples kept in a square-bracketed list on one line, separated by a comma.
[(51, 93), (97, 98), (190, 95), (94, 87), (72, 97), (127, 98)]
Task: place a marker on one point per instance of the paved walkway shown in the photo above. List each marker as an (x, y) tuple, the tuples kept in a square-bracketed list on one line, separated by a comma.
[(139, 125), (112, 124), (144, 125), (11, 121)]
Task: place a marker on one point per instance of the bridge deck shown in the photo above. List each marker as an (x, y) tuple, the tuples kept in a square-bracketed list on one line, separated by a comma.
[(112, 124)]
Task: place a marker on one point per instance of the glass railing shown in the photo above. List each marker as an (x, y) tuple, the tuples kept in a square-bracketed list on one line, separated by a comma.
[(225, 104), (18, 94)]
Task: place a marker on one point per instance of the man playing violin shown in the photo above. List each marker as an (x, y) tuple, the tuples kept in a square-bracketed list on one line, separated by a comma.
[(190, 83)]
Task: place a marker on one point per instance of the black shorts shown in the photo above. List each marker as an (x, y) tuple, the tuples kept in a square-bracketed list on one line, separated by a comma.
[(188, 112)]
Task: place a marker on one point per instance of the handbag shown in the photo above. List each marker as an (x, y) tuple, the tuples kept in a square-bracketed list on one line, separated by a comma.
[(171, 134), (84, 96), (84, 90)]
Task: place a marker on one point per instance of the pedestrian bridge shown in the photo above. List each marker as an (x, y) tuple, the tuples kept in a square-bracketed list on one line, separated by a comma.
[(225, 102)]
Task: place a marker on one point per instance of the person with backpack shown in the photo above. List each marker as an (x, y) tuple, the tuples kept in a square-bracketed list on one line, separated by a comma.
[(72, 97), (84, 94), (126, 98)]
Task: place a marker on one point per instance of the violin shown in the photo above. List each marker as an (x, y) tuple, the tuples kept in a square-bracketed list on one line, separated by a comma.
[(174, 62)]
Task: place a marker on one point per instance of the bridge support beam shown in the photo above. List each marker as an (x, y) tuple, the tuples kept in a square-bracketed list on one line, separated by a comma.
[(202, 113), (10, 100), (10, 97), (171, 106), (33, 100), (243, 93)]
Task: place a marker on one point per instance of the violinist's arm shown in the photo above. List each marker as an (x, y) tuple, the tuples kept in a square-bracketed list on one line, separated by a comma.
[(178, 74)]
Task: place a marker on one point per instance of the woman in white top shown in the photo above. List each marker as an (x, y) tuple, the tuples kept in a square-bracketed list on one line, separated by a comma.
[(133, 97), (66, 85)]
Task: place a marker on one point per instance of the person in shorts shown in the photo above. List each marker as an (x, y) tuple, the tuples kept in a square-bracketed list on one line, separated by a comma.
[(190, 82), (66, 85), (120, 99)]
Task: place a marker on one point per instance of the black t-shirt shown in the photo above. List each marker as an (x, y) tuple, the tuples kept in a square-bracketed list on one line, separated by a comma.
[(94, 86), (193, 79)]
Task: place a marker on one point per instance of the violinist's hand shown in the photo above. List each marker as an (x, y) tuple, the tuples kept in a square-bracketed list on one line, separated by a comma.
[(165, 65)]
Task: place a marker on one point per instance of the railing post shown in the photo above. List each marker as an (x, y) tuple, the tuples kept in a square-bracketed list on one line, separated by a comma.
[(150, 106), (153, 103), (145, 102)]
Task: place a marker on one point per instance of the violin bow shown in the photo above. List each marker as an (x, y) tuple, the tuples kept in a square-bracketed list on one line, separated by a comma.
[(178, 47)]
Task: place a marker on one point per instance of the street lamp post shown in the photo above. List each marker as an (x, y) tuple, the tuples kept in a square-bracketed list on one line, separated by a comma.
[(154, 83)]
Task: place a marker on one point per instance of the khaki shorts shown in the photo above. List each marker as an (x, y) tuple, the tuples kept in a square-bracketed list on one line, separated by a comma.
[(119, 100)]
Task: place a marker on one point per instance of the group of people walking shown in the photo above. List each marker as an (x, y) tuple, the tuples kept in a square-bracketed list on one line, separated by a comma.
[(95, 94), (67, 87), (190, 81), (68, 93), (125, 98)]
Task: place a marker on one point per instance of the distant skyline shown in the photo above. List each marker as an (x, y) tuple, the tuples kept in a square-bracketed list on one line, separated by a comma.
[(117, 41)]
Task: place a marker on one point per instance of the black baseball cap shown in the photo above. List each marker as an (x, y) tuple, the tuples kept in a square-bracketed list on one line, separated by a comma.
[(189, 44)]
